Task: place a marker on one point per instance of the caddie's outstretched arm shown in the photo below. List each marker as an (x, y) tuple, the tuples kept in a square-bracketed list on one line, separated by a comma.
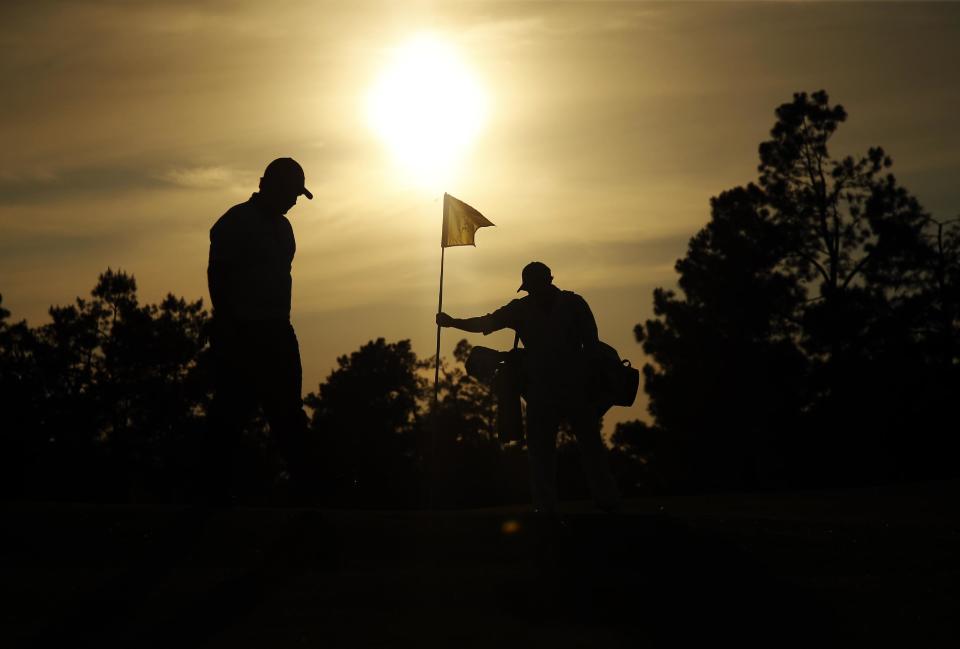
[(472, 325), (502, 318)]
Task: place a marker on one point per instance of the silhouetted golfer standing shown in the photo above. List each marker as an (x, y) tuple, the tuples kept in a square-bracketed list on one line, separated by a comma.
[(558, 333), (255, 350)]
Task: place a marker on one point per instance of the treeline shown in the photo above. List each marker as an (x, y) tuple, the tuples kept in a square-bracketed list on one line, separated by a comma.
[(813, 339), (105, 402), (108, 402), (814, 336)]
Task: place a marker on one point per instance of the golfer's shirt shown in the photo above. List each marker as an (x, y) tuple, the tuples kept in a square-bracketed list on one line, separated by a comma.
[(251, 255)]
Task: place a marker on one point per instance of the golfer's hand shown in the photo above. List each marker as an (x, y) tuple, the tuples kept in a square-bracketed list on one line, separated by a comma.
[(443, 320)]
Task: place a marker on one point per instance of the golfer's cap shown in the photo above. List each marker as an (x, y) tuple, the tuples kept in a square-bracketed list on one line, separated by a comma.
[(536, 273), (287, 172)]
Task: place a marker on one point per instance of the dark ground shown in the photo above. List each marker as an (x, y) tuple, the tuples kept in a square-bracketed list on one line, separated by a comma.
[(814, 569)]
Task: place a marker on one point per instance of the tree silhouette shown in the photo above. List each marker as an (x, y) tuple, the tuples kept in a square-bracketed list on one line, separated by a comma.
[(109, 395), (797, 335), (365, 416), (640, 458), (942, 293), (728, 369), (21, 399)]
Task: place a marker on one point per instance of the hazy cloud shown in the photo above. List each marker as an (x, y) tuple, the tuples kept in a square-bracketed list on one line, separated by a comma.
[(58, 185), (206, 177)]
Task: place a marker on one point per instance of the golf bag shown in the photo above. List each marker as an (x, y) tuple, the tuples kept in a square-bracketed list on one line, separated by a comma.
[(614, 382), (503, 372)]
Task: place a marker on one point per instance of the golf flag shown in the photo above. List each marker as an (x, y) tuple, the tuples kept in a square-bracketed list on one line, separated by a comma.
[(460, 223)]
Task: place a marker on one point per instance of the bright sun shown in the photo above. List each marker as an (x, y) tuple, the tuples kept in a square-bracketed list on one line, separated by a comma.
[(427, 107)]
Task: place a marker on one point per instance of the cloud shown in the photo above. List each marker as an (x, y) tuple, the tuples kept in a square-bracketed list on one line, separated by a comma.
[(51, 185), (27, 175), (54, 247), (216, 177), (47, 185)]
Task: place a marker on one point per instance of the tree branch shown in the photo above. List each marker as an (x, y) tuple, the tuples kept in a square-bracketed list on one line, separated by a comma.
[(856, 269), (816, 264)]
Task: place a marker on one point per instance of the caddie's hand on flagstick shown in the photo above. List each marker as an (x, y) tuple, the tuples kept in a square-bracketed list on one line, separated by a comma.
[(443, 320)]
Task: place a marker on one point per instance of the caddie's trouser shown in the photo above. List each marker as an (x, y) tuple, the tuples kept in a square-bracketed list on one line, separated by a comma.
[(543, 420), (256, 364)]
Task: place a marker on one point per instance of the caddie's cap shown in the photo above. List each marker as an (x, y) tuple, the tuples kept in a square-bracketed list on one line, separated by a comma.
[(287, 172), (536, 273)]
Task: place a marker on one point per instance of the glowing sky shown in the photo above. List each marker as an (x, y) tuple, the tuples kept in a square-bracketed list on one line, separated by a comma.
[(127, 128)]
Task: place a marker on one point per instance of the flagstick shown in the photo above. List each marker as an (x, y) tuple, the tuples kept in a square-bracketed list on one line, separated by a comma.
[(431, 470), (436, 373), (466, 220)]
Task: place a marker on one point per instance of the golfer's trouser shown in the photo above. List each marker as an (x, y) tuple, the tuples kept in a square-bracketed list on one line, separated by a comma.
[(258, 364), (543, 421)]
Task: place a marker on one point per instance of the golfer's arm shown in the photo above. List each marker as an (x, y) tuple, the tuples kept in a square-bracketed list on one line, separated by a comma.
[(222, 273), (215, 285), (221, 281)]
